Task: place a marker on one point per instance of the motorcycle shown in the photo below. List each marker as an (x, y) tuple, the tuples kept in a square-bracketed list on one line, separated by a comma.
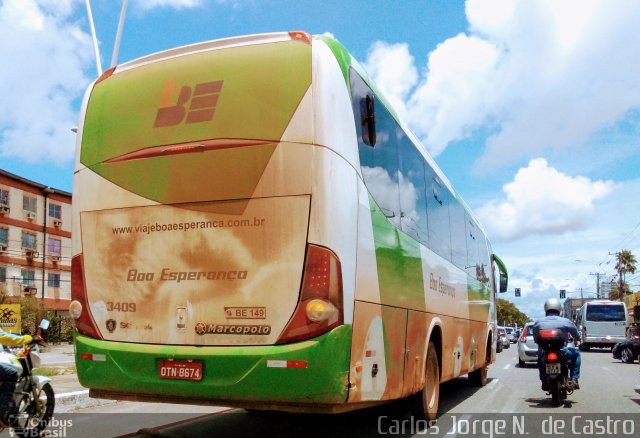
[(559, 385), (33, 395)]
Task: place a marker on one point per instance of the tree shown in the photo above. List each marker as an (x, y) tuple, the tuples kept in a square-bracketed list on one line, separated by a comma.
[(508, 313), (614, 293), (625, 264)]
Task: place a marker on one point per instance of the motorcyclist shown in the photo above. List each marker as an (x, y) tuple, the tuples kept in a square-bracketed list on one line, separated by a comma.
[(553, 320), (9, 376)]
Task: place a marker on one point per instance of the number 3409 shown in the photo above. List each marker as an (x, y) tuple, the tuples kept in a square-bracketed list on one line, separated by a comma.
[(120, 307)]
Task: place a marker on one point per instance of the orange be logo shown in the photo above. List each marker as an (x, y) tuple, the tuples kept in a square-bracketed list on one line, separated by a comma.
[(197, 105)]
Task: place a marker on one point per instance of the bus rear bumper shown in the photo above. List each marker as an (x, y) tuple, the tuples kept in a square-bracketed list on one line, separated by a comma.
[(303, 376)]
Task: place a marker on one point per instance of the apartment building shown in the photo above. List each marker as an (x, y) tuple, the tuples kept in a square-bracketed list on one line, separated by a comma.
[(35, 241)]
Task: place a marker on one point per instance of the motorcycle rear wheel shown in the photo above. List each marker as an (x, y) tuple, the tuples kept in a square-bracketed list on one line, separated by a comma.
[(556, 393), (34, 418)]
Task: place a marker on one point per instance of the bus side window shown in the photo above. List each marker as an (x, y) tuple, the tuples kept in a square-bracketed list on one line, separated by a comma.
[(458, 239), (438, 215), (473, 263), (379, 165), (411, 179)]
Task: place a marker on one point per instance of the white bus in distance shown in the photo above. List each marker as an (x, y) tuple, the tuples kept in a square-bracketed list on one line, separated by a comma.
[(602, 323)]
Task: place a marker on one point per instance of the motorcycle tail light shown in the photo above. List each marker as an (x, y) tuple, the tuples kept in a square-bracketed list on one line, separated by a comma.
[(552, 357), (549, 333)]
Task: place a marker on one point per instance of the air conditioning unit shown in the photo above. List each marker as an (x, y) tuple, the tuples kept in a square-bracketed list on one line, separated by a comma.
[(29, 253), (57, 223), (4, 209), (55, 258), (29, 290), (31, 215), (3, 248)]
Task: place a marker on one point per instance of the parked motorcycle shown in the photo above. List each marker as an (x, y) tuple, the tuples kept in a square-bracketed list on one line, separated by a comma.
[(559, 385), (33, 395)]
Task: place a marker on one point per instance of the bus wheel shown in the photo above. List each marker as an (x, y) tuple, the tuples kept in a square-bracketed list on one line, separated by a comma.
[(478, 377), (431, 391)]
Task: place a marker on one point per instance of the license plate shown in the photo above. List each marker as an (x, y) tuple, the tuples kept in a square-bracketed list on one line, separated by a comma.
[(553, 368), (171, 369)]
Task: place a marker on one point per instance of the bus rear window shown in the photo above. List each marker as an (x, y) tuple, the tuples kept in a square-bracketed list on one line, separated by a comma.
[(603, 313)]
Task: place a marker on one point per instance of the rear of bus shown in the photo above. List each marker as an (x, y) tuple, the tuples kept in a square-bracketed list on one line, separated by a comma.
[(214, 227), (603, 323)]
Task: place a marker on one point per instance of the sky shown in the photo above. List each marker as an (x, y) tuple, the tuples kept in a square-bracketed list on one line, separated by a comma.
[(530, 107)]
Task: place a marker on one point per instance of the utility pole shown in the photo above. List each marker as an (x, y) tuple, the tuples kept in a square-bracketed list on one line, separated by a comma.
[(597, 274)]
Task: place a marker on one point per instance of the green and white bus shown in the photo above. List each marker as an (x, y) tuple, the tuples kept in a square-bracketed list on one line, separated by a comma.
[(256, 227)]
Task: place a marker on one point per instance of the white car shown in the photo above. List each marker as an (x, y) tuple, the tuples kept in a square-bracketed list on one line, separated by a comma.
[(527, 348), (503, 338), (510, 331)]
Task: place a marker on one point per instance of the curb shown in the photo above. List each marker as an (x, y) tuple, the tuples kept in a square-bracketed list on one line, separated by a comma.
[(71, 401)]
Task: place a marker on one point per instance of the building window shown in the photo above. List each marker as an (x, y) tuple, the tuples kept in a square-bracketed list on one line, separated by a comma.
[(28, 277), (4, 197), (28, 240), (54, 246), (55, 211), (29, 203), (3, 274), (4, 236), (53, 280)]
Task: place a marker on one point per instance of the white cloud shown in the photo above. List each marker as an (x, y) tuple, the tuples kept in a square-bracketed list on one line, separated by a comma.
[(537, 74), (44, 58), (175, 4), (458, 94), (541, 265), (542, 200), (394, 70), (146, 5)]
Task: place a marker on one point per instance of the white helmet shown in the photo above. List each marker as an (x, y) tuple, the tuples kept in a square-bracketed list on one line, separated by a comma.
[(552, 304)]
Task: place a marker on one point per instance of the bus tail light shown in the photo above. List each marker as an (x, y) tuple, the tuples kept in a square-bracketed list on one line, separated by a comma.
[(320, 310), (79, 307), (320, 304)]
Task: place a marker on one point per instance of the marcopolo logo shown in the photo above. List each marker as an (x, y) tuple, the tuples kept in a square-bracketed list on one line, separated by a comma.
[(197, 104), (203, 328)]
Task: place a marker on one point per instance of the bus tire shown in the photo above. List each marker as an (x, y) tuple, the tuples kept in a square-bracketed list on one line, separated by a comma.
[(430, 396), (479, 377)]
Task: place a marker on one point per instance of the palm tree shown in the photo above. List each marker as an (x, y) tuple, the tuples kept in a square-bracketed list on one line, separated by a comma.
[(625, 263)]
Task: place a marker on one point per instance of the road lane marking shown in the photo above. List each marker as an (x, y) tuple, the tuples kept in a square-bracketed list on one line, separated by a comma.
[(507, 366), (493, 382)]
